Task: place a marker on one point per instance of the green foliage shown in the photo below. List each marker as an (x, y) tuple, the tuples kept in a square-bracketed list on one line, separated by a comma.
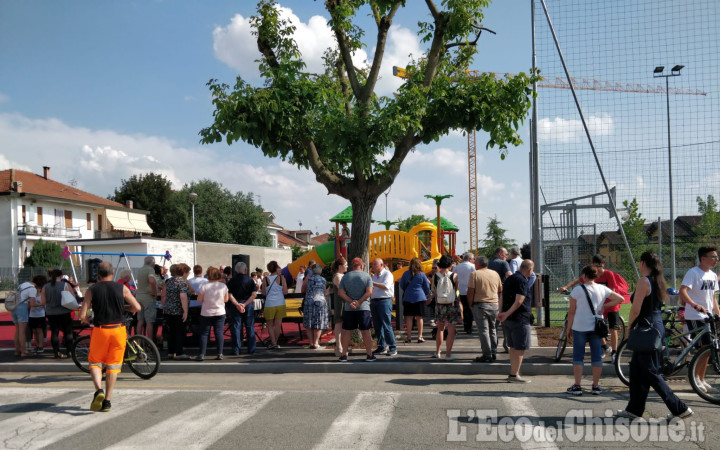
[(153, 193), (634, 225), (494, 238), (45, 254), (335, 124), (221, 216), (297, 251), (708, 231), (409, 222)]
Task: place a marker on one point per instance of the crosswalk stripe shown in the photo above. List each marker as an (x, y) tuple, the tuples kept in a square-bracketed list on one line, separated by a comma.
[(42, 428), (202, 425), (363, 424), (521, 407)]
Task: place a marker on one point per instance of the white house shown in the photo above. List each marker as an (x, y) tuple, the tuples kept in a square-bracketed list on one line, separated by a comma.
[(34, 207)]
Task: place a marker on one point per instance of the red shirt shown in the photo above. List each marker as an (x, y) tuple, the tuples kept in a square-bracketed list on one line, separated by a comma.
[(607, 279)]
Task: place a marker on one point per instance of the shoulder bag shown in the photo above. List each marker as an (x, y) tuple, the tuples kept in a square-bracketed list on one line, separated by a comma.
[(644, 338), (601, 327)]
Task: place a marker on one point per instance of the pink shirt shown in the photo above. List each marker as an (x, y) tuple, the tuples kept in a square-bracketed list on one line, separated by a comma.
[(213, 299)]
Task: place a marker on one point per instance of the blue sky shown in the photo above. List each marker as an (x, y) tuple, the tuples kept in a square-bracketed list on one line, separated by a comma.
[(102, 90)]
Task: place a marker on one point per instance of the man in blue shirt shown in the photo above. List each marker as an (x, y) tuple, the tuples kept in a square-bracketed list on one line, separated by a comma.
[(355, 289), (516, 317), (240, 309)]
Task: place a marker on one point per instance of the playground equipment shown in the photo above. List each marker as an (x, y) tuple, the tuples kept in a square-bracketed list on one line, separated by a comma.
[(122, 257), (396, 248)]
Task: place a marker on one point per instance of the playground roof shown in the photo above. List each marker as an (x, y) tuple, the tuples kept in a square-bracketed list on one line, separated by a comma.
[(343, 217), (447, 225)]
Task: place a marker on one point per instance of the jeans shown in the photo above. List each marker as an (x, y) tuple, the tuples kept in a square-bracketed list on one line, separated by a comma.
[(239, 320), (579, 340), (467, 314), (485, 315), (645, 373), (215, 322), (381, 311)]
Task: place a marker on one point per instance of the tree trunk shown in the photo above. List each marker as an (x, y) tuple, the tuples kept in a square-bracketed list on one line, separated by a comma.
[(360, 232)]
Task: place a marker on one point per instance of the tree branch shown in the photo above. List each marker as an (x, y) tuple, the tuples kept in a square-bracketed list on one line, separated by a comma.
[(329, 179), (433, 9), (383, 28), (437, 49), (342, 79), (345, 52)]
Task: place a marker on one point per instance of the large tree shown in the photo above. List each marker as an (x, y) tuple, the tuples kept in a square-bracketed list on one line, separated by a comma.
[(152, 192), (495, 236), (334, 123)]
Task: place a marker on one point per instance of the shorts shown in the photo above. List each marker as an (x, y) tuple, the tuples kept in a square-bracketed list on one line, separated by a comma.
[(356, 319), (36, 322), (20, 314), (107, 348), (517, 334), (693, 324), (613, 319), (275, 312), (147, 313), (414, 309)]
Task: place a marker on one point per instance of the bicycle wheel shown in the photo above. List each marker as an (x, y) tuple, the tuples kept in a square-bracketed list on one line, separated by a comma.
[(142, 356), (622, 363), (80, 352), (562, 342), (622, 330), (711, 375)]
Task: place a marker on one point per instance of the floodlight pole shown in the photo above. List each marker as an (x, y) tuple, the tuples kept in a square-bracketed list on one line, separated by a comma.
[(658, 73), (193, 196)]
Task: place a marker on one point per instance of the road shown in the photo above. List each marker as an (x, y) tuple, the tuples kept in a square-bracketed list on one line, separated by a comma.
[(323, 411)]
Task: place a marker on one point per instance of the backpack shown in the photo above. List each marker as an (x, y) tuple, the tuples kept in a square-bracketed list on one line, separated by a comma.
[(444, 289), (13, 299), (621, 287)]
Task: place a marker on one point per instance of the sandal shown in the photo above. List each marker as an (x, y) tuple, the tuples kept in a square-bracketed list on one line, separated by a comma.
[(420, 340), (408, 340)]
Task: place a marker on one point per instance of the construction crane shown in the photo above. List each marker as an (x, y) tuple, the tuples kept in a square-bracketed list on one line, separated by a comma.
[(551, 82)]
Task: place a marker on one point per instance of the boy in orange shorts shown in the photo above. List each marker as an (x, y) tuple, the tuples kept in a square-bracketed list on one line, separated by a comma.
[(109, 301)]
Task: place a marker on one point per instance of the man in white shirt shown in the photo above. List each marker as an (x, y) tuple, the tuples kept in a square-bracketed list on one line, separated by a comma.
[(698, 295), (463, 271), (381, 307), (516, 259), (198, 279)]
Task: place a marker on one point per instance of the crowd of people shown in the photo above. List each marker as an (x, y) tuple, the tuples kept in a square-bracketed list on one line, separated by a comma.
[(486, 292)]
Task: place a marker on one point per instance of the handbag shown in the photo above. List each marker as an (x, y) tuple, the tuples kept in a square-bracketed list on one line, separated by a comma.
[(644, 338), (601, 327), (68, 300)]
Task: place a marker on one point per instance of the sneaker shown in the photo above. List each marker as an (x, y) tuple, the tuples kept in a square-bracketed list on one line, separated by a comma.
[(494, 356), (436, 355), (392, 353), (596, 390), (199, 358), (687, 413), (625, 414), (183, 357), (379, 351), (517, 379), (370, 358), (701, 385), (98, 400), (106, 406), (605, 350), (483, 359), (708, 388), (220, 357), (574, 390), (451, 358), (613, 356), (342, 358)]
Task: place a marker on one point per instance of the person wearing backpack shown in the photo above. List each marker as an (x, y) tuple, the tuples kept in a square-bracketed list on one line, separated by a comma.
[(615, 283), (19, 313), (448, 310)]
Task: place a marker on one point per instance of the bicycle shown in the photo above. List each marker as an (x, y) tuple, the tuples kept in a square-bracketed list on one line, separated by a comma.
[(676, 351), (141, 355), (563, 338)]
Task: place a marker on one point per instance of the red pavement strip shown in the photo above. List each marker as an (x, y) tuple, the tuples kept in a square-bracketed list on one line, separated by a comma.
[(290, 330)]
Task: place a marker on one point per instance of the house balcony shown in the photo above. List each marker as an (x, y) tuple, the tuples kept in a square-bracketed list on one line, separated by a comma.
[(49, 232)]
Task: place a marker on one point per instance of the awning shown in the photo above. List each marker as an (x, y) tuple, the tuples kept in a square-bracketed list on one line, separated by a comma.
[(125, 221), (139, 221)]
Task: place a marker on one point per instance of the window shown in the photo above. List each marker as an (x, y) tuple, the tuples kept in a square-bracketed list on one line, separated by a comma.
[(39, 216), (99, 222), (89, 221), (68, 219), (23, 214)]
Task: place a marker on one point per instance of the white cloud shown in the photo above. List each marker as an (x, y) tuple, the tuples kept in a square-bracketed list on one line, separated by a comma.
[(4, 98), (234, 45), (571, 130)]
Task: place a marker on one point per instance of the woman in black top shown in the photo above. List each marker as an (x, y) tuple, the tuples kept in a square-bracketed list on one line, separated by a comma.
[(645, 366)]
